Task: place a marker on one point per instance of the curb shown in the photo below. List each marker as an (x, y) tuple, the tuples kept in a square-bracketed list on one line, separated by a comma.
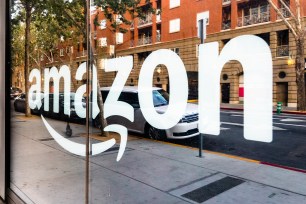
[(284, 167), (232, 156)]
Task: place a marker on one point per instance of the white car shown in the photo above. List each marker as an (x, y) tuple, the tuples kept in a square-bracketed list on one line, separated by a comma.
[(186, 128)]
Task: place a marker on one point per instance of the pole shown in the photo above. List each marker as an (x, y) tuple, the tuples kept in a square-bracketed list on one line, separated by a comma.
[(202, 35), (88, 65), (200, 145)]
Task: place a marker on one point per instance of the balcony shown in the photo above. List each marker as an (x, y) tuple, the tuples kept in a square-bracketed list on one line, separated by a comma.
[(226, 25), (144, 40), (81, 53), (282, 51), (147, 20), (253, 19), (144, 22), (158, 38), (285, 13), (132, 44), (226, 2)]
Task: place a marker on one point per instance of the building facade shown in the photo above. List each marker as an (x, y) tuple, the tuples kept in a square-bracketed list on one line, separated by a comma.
[(175, 26)]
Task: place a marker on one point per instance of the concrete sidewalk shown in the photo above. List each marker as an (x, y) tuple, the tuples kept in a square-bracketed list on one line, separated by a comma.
[(149, 172)]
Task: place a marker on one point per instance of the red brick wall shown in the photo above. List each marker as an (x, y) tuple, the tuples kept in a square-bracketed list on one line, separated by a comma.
[(187, 12)]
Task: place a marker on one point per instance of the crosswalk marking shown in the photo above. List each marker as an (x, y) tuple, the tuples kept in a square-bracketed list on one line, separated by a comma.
[(292, 120), (290, 124), (239, 124)]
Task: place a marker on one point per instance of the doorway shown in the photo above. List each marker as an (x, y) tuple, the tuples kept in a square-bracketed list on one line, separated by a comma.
[(282, 92), (225, 92)]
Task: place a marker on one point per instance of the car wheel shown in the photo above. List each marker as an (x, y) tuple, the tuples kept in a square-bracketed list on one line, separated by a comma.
[(156, 134)]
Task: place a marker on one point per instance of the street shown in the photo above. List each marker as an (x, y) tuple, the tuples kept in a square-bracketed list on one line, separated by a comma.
[(287, 149)]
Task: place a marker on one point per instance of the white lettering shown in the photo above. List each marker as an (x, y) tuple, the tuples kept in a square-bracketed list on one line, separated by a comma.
[(56, 75), (178, 89), (255, 57)]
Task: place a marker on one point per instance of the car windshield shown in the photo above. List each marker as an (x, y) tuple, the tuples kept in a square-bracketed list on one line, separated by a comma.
[(160, 98)]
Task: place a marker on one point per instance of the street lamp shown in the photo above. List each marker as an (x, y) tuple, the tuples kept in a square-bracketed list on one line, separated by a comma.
[(158, 70), (290, 60)]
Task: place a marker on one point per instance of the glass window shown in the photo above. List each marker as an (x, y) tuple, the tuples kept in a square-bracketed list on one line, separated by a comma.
[(226, 120)]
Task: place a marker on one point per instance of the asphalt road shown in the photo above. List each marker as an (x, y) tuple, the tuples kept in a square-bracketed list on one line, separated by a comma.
[(288, 147)]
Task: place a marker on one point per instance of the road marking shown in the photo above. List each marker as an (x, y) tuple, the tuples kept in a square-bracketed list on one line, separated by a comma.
[(292, 120), (278, 128), (239, 124), (290, 124), (222, 128), (237, 115), (232, 112), (283, 120), (289, 116)]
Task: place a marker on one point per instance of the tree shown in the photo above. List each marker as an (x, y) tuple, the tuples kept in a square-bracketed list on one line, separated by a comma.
[(127, 10), (53, 19), (53, 13), (296, 25)]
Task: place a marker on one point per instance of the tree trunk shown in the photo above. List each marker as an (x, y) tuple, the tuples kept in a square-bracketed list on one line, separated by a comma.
[(300, 80), (103, 121), (27, 58)]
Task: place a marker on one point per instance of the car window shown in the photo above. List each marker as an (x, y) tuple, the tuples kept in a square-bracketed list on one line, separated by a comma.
[(130, 98), (160, 98)]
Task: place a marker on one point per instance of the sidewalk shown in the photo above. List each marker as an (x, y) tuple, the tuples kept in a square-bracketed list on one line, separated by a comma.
[(149, 172)]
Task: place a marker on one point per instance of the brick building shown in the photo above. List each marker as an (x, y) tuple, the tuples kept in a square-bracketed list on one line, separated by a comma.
[(175, 26)]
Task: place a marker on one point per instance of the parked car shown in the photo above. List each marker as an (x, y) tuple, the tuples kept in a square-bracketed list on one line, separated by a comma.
[(61, 115), (19, 104), (15, 92), (186, 128)]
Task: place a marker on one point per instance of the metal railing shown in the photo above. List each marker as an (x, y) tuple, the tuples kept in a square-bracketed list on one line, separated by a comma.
[(81, 53), (285, 13), (145, 40), (226, 2), (282, 51), (132, 43), (147, 20), (158, 38), (226, 25), (253, 19)]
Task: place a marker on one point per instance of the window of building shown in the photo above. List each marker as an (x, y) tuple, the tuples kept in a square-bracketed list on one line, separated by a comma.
[(118, 19), (119, 38), (102, 24), (102, 42), (201, 23), (265, 37), (176, 50), (282, 43), (174, 25), (61, 52), (203, 15), (226, 18), (253, 13), (283, 9), (174, 3)]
